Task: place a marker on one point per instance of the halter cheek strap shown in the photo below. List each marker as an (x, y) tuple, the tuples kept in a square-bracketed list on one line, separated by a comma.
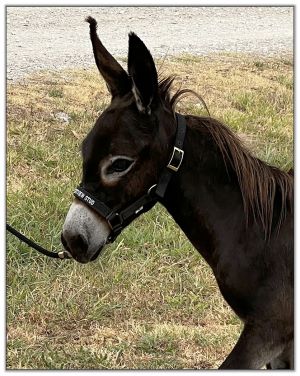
[(119, 219)]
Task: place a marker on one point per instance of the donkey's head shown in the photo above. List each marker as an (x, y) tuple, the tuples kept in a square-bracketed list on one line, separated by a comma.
[(126, 149)]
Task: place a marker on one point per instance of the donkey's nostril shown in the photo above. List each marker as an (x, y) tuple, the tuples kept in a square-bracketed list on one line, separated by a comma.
[(74, 243), (81, 243)]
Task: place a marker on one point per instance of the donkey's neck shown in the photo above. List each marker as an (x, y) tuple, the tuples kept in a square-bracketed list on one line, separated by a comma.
[(204, 201)]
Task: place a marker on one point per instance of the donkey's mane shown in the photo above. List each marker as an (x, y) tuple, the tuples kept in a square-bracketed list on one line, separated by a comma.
[(259, 182)]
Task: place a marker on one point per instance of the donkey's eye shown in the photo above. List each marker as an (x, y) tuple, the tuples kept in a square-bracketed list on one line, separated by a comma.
[(113, 168), (119, 165)]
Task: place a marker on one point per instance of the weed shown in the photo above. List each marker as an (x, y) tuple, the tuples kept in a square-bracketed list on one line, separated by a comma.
[(56, 93)]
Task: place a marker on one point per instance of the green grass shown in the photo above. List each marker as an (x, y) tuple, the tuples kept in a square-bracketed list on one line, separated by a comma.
[(149, 301), (56, 93)]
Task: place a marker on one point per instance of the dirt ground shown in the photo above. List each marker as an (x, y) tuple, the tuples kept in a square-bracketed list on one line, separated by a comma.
[(58, 37)]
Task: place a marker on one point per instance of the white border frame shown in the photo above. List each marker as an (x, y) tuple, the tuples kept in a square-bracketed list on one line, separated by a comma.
[(3, 148)]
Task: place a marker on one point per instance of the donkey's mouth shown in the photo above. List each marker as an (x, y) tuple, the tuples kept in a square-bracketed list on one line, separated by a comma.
[(93, 258), (84, 258)]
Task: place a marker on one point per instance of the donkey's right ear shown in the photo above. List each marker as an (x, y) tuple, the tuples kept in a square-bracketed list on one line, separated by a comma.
[(143, 73), (116, 78)]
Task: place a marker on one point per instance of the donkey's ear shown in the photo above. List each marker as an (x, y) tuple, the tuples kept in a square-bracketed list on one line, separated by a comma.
[(143, 73), (117, 80)]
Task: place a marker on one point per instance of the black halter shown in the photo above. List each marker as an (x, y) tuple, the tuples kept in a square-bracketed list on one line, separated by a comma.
[(119, 219)]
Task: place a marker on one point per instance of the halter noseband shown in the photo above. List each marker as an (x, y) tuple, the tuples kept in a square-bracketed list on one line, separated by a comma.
[(119, 219)]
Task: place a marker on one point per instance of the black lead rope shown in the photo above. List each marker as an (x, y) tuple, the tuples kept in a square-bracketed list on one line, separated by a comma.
[(119, 219), (32, 244)]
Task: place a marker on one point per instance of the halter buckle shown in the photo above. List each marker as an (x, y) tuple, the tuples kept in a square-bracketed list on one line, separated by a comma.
[(115, 221), (176, 159)]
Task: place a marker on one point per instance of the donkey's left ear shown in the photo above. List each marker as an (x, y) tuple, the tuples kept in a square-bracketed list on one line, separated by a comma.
[(143, 73)]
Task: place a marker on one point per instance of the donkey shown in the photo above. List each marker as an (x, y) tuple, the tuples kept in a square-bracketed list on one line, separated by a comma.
[(236, 210)]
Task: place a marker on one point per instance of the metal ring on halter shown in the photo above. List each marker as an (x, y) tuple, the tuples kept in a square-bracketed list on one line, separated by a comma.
[(150, 189)]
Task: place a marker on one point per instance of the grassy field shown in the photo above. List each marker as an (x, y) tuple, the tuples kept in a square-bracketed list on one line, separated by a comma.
[(150, 301)]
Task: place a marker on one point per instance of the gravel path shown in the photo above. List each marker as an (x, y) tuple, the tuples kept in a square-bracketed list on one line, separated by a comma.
[(57, 37)]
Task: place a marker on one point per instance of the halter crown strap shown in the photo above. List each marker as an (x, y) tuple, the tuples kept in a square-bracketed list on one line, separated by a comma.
[(176, 158)]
